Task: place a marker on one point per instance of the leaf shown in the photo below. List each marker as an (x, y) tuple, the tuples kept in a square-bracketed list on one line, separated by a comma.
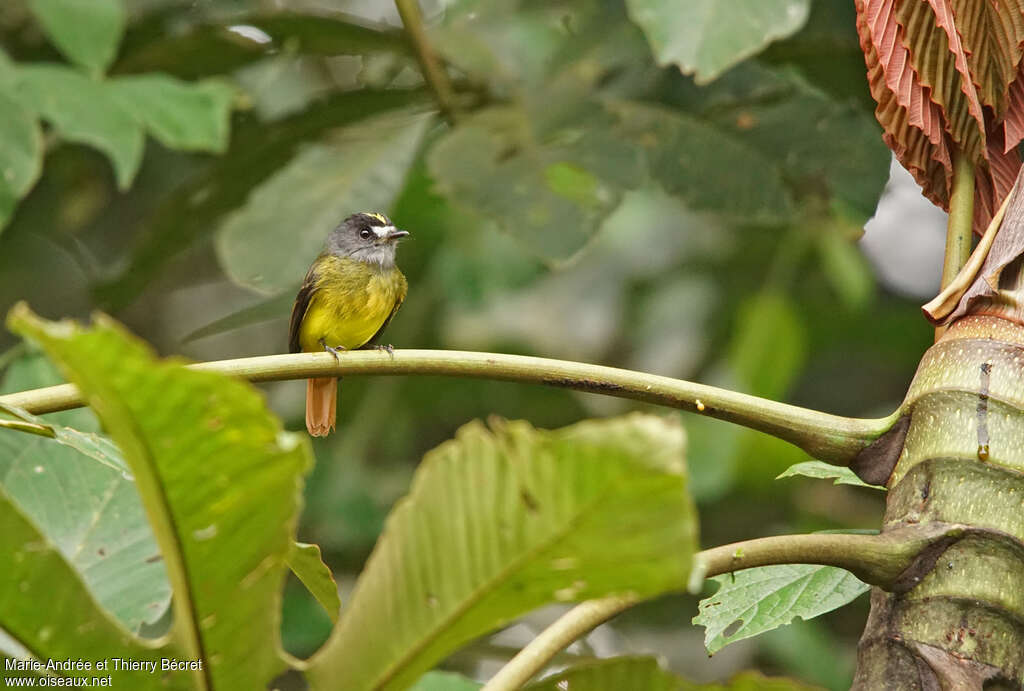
[(444, 681), (307, 564), (78, 491), (213, 49), (707, 37), (614, 674), (362, 168), (770, 346), (82, 110), (86, 31), (276, 307), (551, 195), (219, 479), (501, 521), (846, 269), (752, 601), (21, 152), (708, 169), (72, 625), (825, 471), (190, 117)]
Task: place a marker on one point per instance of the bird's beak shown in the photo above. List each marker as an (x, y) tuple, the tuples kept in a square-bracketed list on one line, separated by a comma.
[(397, 234)]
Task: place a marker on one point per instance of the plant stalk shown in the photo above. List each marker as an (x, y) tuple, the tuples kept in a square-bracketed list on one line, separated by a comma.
[(433, 71), (828, 437), (881, 560), (960, 225)]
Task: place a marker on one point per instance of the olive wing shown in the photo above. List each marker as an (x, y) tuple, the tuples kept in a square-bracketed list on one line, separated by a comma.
[(299, 309)]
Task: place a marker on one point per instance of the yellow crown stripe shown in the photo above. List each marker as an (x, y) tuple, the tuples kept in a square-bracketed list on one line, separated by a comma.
[(380, 217)]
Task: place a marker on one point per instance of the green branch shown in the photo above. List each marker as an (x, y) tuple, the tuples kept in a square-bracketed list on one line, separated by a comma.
[(885, 560), (828, 437), (433, 71)]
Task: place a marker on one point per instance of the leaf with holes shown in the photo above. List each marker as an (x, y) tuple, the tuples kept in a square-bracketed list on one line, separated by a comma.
[(753, 601), (501, 521)]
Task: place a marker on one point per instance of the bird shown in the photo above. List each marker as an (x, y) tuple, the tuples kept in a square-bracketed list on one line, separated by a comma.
[(350, 294)]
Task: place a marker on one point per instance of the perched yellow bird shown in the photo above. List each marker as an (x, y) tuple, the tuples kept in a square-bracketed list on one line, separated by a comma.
[(351, 292)]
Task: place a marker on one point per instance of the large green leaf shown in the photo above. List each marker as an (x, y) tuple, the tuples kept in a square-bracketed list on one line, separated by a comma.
[(192, 117), (707, 37), (48, 611), (78, 491), (219, 479), (756, 600), (86, 31), (618, 673), (444, 681), (21, 152), (361, 168), (707, 168), (549, 192), (84, 111), (500, 522)]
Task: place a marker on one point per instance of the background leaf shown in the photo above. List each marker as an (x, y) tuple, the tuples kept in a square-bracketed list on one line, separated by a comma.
[(362, 167), (190, 117), (219, 479), (444, 681), (707, 37), (84, 111), (498, 523), (86, 31), (307, 564), (753, 601), (21, 152)]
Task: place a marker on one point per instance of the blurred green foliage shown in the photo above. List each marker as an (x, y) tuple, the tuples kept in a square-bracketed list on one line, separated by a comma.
[(591, 202)]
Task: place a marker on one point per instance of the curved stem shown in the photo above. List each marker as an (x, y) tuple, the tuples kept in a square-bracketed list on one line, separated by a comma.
[(827, 437), (433, 70), (882, 560)]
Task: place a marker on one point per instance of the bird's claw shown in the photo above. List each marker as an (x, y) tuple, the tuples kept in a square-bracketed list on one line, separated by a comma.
[(332, 350), (390, 349)]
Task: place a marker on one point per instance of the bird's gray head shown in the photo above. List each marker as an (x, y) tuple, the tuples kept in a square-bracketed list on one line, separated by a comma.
[(367, 237)]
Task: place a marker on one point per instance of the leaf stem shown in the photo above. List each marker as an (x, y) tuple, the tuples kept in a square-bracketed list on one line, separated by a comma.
[(827, 437), (959, 226), (433, 71), (881, 560)]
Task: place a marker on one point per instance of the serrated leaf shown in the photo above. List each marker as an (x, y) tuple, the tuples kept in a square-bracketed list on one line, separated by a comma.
[(219, 479), (72, 625), (707, 37), (308, 566), (445, 681), (362, 168), (83, 110), (756, 600), (77, 490), (708, 169), (180, 115), (770, 346), (86, 31), (501, 521), (825, 471), (21, 151)]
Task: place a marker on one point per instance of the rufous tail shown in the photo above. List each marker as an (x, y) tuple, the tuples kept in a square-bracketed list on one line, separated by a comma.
[(321, 405)]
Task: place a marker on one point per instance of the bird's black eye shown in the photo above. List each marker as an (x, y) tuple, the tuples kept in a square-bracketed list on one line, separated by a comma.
[(365, 233)]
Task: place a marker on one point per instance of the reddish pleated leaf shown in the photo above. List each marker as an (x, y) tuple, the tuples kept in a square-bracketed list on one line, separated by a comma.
[(943, 73)]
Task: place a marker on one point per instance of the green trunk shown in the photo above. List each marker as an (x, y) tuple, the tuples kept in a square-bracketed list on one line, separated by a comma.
[(961, 625)]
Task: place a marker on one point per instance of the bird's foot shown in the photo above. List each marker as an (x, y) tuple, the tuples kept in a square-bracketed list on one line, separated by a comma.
[(335, 351), (390, 349)]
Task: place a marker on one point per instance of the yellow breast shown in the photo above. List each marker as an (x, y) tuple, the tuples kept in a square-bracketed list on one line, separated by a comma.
[(350, 303)]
